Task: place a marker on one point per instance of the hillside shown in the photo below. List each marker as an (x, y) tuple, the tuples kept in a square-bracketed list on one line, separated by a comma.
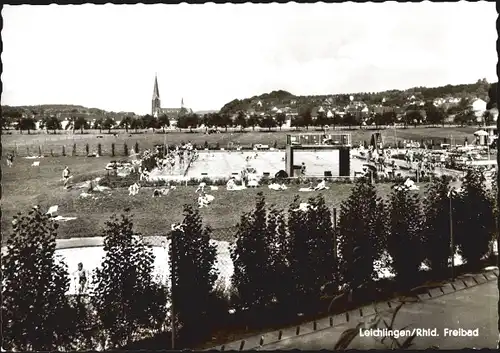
[(61, 111), (281, 99)]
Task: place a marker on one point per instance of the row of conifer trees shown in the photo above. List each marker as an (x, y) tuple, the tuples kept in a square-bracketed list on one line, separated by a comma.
[(283, 261)]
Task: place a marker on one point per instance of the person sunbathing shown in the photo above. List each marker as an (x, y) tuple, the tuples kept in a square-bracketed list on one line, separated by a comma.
[(321, 186), (204, 200), (231, 184)]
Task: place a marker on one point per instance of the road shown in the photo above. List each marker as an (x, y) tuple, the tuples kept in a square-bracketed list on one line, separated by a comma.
[(472, 308)]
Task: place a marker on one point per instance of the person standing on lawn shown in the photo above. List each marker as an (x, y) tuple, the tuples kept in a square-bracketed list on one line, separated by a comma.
[(65, 174)]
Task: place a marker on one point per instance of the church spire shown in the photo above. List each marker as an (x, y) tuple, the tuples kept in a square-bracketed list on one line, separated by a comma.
[(156, 91), (155, 102)]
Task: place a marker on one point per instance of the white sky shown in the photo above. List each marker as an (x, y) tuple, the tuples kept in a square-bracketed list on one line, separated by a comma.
[(106, 56)]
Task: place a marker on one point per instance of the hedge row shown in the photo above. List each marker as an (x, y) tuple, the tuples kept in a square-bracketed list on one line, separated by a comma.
[(286, 262)]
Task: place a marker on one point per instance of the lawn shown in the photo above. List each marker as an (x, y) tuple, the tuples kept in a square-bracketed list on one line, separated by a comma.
[(29, 144), (24, 186)]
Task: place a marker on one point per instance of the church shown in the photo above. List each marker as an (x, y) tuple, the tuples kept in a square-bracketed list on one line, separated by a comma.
[(157, 110)]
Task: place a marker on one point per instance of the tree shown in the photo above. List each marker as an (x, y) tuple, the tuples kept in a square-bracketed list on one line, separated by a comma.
[(321, 120), (125, 296), (349, 120), (108, 124), (413, 117), (337, 119), (475, 219), (404, 234), (306, 116), (77, 123), (98, 123), (52, 123), (224, 121), (437, 225), (241, 120), (361, 233), (149, 122), (253, 121), (36, 314), (249, 255), (378, 119), (126, 122), (466, 117), (27, 123), (297, 122), (434, 114), (182, 122), (464, 104), (280, 119), (488, 118), (6, 121), (195, 275), (192, 121), (209, 120), (389, 117), (10, 116), (163, 121), (268, 122), (492, 96), (136, 124)]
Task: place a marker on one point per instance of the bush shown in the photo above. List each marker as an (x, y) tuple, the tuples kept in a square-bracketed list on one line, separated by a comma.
[(128, 263), (404, 239), (112, 150), (36, 314), (194, 275), (474, 218)]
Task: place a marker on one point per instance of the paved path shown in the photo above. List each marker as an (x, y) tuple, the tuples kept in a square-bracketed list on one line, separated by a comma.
[(470, 302), (471, 308)]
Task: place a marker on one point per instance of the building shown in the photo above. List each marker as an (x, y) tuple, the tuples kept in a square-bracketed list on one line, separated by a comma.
[(478, 107), (157, 110)]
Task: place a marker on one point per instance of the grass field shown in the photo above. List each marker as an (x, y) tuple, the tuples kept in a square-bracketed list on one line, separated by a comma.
[(24, 186), (29, 144)]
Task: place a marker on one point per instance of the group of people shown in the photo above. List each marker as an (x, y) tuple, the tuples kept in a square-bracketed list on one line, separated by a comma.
[(181, 154)]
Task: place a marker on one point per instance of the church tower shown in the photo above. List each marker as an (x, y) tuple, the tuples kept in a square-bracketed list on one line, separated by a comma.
[(156, 103)]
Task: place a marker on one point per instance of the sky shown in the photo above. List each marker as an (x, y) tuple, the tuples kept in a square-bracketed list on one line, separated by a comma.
[(106, 56)]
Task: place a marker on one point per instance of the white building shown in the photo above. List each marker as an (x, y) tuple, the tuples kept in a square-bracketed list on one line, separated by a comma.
[(478, 107)]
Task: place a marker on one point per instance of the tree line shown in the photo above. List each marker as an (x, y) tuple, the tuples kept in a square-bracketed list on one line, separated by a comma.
[(429, 114), (284, 262)]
